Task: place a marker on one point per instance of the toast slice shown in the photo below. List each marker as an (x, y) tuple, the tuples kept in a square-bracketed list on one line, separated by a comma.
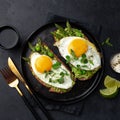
[(58, 78), (68, 31)]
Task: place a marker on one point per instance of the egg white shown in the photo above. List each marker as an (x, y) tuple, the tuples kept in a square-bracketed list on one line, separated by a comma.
[(41, 76), (91, 54)]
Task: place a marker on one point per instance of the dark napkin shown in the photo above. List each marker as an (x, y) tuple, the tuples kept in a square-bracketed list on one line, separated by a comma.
[(73, 108)]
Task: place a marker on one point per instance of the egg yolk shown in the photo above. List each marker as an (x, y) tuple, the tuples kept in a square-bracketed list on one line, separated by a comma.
[(79, 47), (43, 63)]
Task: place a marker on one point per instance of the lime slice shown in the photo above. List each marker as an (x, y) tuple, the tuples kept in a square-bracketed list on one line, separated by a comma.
[(110, 82), (109, 92)]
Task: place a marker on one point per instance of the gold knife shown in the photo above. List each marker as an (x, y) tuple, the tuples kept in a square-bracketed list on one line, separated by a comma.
[(17, 73)]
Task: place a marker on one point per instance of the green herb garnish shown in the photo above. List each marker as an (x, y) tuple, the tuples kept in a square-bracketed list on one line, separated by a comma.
[(50, 54), (84, 59), (62, 74), (26, 59), (65, 72), (56, 65), (73, 54), (60, 80), (83, 72), (78, 33), (59, 27), (37, 47), (67, 31), (57, 35), (42, 49), (83, 56), (61, 30), (31, 47), (84, 66), (47, 73), (107, 42), (50, 80), (68, 59), (91, 62)]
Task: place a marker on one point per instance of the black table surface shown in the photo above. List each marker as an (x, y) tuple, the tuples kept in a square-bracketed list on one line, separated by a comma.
[(27, 16)]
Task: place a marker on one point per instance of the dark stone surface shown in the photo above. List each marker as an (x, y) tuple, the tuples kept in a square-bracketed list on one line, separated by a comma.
[(27, 16)]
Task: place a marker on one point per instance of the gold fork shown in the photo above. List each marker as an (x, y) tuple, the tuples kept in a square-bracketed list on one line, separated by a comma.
[(13, 82), (11, 79)]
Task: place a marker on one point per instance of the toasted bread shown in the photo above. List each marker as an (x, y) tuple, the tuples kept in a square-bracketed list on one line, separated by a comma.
[(64, 32), (52, 86)]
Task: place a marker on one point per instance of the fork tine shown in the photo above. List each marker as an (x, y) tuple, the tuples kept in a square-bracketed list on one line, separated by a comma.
[(7, 74), (3, 72)]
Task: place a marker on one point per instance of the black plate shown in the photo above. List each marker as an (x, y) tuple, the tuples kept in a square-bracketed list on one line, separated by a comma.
[(81, 89)]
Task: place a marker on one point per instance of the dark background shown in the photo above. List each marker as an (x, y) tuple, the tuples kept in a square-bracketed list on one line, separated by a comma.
[(29, 15)]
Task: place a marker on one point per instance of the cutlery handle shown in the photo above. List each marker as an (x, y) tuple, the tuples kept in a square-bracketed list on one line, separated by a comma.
[(30, 107), (40, 105), (28, 104), (37, 102)]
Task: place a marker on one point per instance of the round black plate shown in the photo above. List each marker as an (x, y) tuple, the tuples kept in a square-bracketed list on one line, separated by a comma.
[(81, 89)]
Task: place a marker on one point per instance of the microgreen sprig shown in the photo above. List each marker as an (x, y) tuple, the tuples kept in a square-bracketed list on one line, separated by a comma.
[(68, 59), (56, 65), (107, 42), (84, 59), (73, 54)]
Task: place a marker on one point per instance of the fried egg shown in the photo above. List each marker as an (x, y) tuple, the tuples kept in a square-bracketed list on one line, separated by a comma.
[(81, 48), (41, 64)]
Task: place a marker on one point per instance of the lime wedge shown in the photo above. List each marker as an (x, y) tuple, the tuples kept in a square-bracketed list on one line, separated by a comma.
[(110, 82), (110, 92)]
